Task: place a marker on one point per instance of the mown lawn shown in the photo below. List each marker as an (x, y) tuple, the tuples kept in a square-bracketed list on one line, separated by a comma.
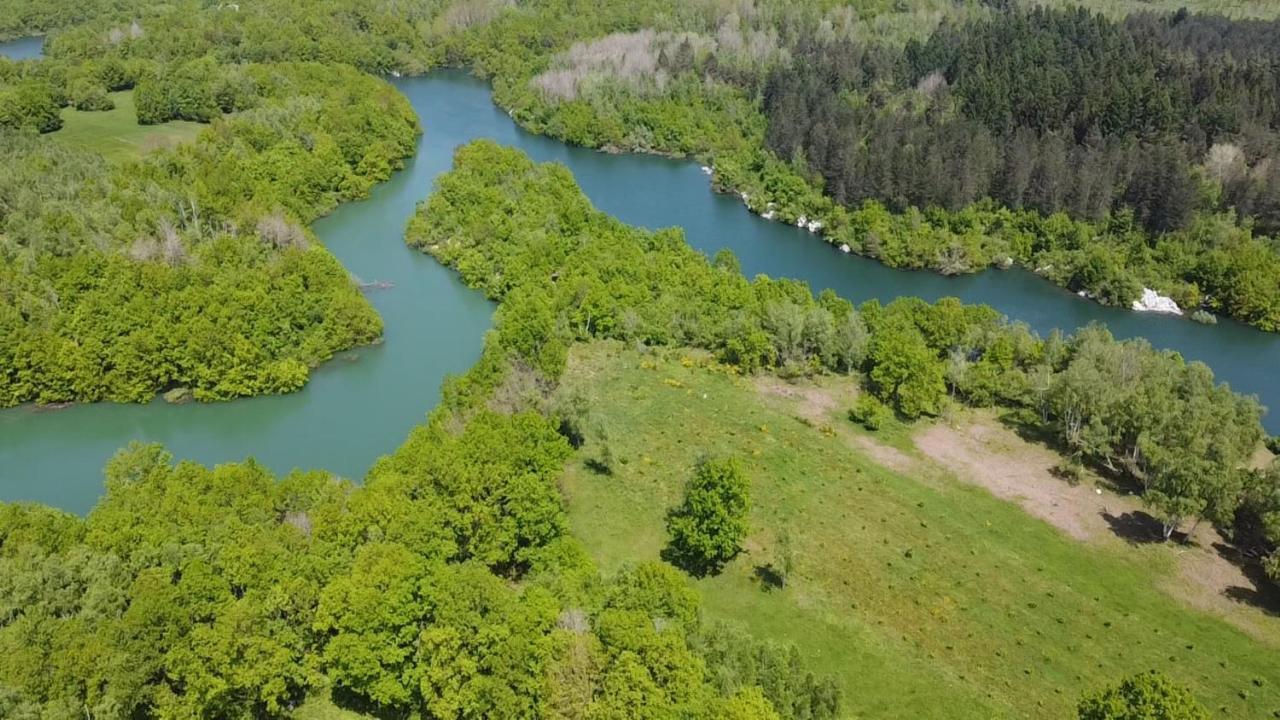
[(925, 596), (116, 134)]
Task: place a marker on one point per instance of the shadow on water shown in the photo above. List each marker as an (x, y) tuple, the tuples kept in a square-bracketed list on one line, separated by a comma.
[(352, 412)]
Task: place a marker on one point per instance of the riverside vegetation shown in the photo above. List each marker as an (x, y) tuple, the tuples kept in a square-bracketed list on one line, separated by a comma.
[(192, 267), (893, 132), (448, 584)]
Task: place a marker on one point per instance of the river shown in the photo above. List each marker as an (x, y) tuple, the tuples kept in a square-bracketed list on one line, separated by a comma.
[(363, 404)]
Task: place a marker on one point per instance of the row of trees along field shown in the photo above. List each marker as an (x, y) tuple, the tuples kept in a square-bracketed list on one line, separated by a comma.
[(565, 272), (192, 267)]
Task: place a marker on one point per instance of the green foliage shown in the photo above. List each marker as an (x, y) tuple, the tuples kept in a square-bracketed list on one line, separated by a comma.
[(870, 413), (738, 661), (31, 105), (191, 268), (708, 527), (1141, 697), (88, 95), (508, 225), (906, 372)]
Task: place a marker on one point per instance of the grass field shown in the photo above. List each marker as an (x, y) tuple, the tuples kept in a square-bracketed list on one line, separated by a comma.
[(116, 134), (925, 596)]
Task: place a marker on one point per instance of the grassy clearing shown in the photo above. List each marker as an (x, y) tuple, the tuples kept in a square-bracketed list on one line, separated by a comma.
[(116, 134), (927, 597)]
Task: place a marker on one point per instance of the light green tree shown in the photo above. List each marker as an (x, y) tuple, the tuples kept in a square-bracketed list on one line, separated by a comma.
[(1146, 696), (708, 528)]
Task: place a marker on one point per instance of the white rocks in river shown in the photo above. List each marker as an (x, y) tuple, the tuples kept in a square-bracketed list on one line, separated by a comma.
[(802, 221), (845, 248), (1153, 301), (1085, 294), (706, 170), (768, 214), (813, 226)]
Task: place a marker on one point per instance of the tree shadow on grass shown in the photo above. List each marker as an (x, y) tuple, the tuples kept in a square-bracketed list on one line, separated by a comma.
[(1264, 595), (1139, 528), (599, 467), (769, 578), (691, 563)]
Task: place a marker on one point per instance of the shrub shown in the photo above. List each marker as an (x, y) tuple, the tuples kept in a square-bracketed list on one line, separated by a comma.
[(870, 413)]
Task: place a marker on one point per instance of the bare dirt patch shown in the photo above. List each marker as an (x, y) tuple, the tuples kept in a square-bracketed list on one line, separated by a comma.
[(812, 402), (996, 458), (988, 454), (820, 405), (886, 455), (1210, 582)]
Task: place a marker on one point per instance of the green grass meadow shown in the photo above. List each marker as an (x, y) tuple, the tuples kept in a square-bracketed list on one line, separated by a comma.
[(926, 597), (116, 135)]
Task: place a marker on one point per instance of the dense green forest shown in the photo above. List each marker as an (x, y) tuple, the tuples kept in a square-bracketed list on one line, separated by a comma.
[(193, 267), (1110, 155)]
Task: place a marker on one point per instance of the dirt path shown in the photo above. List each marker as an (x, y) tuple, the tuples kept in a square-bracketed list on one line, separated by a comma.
[(1012, 469)]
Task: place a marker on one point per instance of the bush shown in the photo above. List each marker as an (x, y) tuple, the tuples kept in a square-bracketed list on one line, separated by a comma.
[(1140, 697), (90, 96), (1205, 317), (870, 413), (1070, 470)]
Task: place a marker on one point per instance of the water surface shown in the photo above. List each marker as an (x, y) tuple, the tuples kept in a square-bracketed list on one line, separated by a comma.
[(363, 404), (27, 48)]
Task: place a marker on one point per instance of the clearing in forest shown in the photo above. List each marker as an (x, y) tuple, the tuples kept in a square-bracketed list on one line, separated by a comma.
[(923, 591), (116, 135)]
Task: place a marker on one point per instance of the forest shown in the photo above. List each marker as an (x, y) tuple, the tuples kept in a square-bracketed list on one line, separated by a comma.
[(1138, 152), (1107, 154), (193, 267)]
